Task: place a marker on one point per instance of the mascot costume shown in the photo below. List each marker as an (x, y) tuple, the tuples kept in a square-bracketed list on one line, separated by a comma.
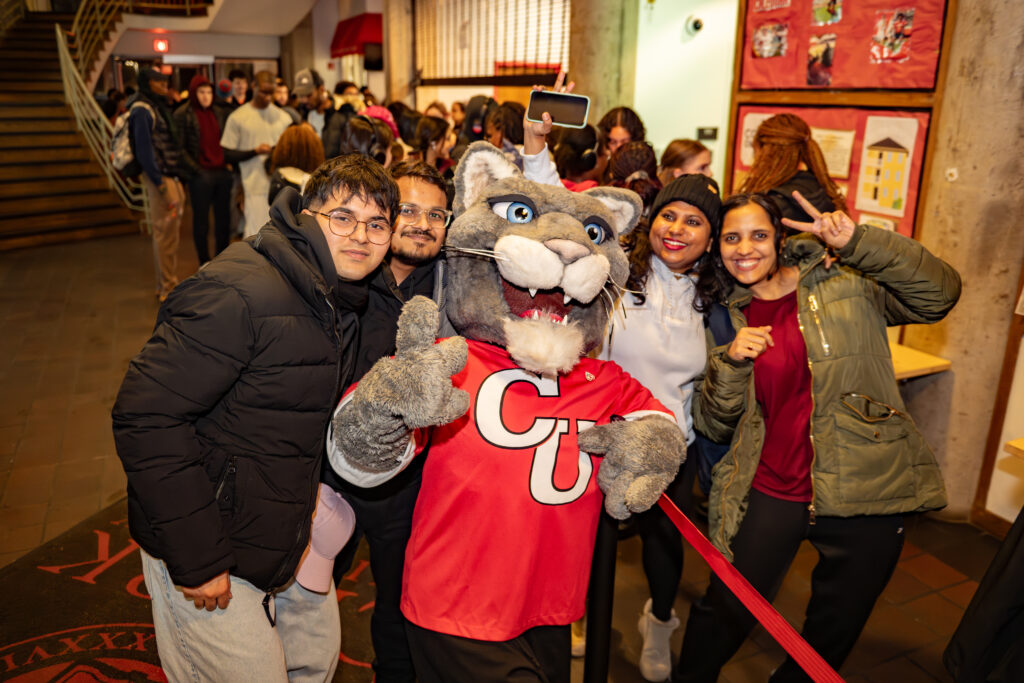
[(517, 420)]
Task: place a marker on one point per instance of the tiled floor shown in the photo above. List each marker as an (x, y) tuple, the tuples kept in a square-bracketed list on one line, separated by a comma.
[(73, 315), (904, 638)]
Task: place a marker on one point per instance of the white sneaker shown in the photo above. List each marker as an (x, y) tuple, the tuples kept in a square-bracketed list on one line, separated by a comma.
[(656, 656), (578, 634)]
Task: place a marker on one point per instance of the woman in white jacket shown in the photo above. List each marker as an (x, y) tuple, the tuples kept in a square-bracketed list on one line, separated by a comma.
[(657, 335)]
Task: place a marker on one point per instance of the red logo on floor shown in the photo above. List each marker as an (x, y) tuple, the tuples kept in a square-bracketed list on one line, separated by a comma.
[(107, 652)]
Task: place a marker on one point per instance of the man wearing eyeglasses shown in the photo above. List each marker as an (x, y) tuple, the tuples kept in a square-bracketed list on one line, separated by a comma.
[(384, 514), (220, 424)]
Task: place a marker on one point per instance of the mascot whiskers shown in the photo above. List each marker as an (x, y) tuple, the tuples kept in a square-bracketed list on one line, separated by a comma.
[(517, 419)]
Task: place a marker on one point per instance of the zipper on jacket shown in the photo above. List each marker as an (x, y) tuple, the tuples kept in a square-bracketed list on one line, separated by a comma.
[(813, 303), (741, 425), (230, 470), (810, 432), (308, 515)]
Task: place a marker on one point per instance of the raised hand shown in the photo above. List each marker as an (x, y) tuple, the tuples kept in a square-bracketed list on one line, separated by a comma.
[(535, 132), (421, 370), (750, 342), (834, 228), (641, 458)]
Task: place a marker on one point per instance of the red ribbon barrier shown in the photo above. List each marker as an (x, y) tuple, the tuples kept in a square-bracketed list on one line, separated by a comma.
[(773, 622)]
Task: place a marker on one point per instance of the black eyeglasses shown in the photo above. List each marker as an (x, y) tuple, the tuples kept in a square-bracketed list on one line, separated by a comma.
[(342, 223), (436, 218)]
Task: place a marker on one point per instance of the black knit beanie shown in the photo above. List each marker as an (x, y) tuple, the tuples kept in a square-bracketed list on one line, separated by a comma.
[(694, 189)]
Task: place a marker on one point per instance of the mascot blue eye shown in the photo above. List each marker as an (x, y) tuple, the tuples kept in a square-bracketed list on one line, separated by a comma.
[(514, 212), (596, 232)]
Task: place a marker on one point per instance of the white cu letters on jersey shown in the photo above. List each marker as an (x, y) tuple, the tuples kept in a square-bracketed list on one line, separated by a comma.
[(545, 434)]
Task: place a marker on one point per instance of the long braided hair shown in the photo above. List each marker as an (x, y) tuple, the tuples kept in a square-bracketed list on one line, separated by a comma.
[(783, 141)]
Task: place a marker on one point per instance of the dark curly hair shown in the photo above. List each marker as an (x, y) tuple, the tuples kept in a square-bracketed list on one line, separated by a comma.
[(575, 151), (634, 166), (713, 282)]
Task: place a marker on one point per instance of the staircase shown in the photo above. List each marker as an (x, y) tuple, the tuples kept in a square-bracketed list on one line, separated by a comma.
[(51, 190)]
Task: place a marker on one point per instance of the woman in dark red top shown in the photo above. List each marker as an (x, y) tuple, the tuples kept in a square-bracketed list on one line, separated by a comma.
[(822, 448)]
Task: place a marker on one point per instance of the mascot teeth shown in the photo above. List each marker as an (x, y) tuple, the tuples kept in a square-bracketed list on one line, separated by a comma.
[(533, 291), (566, 299)]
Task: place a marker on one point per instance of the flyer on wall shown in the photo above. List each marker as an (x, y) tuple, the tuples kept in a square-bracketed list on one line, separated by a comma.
[(885, 164)]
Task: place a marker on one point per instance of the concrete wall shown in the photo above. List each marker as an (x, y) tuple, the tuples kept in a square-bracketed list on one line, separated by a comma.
[(972, 219), (297, 49), (325, 15), (602, 52), (399, 60)]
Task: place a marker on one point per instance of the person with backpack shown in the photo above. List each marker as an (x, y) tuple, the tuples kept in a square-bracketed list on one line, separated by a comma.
[(158, 158)]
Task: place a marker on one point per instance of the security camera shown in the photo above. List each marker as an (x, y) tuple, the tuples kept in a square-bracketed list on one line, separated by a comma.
[(694, 25)]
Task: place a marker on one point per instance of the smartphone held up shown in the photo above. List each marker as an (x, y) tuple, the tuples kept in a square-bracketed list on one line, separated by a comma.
[(566, 109)]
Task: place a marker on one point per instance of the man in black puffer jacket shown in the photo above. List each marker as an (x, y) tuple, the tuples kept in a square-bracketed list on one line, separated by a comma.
[(220, 424)]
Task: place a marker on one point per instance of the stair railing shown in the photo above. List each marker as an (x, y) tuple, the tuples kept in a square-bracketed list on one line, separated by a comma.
[(97, 131), (10, 12), (93, 23), (96, 18)]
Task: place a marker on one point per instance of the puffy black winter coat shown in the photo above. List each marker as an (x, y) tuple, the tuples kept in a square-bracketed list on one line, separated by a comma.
[(221, 419)]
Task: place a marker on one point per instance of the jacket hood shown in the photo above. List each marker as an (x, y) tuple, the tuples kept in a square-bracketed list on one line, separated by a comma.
[(303, 232), (806, 184), (197, 81)]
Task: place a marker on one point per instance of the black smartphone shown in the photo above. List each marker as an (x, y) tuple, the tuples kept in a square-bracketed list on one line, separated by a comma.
[(565, 109)]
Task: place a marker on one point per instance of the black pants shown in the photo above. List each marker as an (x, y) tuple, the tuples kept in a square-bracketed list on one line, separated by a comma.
[(384, 517), (662, 553), (856, 558), (206, 188), (540, 654)]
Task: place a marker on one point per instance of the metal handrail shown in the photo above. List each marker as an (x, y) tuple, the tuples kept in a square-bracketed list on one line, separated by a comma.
[(92, 25), (97, 131), (11, 11)]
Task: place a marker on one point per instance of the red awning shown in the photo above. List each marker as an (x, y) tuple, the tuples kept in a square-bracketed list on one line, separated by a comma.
[(351, 35)]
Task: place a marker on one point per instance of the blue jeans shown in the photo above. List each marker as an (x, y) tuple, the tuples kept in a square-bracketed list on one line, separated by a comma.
[(238, 643)]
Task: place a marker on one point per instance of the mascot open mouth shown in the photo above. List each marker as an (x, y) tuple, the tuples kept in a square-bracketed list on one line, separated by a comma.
[(547, 304)]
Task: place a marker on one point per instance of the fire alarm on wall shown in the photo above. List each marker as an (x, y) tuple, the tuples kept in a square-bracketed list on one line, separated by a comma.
[(161, 45)]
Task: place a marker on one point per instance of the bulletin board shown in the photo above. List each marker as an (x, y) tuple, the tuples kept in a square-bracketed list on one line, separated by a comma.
[(889, 44), (874, 155), (866, 75)]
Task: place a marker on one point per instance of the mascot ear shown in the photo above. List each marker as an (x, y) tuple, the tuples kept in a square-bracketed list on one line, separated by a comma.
[(625, 206), (481, 165)]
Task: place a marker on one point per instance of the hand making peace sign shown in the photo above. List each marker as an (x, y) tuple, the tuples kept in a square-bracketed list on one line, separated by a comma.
[(833, 228)]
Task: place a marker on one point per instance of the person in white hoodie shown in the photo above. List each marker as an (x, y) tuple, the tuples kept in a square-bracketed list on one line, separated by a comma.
[(657, 335)]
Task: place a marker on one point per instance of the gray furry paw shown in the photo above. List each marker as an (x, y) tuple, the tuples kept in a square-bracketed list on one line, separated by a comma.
[(410, 390), (641, 458)]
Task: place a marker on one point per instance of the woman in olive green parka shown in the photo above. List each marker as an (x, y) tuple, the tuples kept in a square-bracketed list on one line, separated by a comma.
[(822, 448)]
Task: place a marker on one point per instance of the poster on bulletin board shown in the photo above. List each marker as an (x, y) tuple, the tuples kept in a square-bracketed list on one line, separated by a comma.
[(800, 44), (874, 155)]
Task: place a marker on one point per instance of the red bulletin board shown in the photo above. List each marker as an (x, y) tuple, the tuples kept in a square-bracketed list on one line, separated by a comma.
[(814, 44), (890, 172)]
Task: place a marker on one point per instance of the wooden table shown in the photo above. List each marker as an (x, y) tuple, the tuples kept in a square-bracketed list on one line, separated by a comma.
[(908, 362), (1015, 447)]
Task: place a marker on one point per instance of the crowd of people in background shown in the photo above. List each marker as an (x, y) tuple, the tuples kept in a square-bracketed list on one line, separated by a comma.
[(698, 261)]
